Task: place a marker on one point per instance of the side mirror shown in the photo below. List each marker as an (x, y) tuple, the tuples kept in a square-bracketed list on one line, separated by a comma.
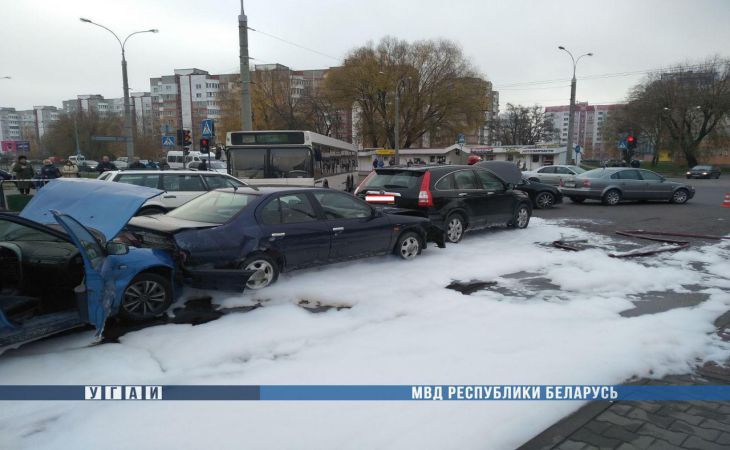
[(116, 248)]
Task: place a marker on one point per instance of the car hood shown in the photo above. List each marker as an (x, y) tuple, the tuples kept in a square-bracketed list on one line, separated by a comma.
[(100, 205), (506, 170), (167, 224)]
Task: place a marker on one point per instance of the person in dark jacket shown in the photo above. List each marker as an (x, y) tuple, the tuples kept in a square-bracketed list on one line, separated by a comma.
[(105, 165), (23, 171), (48, 172), (203, 165), (137, 164)]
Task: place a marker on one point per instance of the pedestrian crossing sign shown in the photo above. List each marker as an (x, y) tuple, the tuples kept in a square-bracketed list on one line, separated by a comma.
[(168, 141)]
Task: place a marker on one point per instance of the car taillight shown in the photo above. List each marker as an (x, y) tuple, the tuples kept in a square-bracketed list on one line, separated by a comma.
[(586, 183), (367, 178), (424, 194)]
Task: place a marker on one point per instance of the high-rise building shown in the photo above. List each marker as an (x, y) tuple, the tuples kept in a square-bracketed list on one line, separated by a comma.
[(587, 126), (184, 100), (10, 129)]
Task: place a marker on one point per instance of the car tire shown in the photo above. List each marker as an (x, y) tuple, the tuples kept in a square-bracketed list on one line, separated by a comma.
[(409, 246), (545, 200), (680, 196), (150, 211), (577, 199), (522, 216), (267, 271), (612, 197), (147, 296), (455, 228)]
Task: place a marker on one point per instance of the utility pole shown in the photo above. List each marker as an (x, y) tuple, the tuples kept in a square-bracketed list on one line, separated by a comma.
[(569, 158), (246, 120), (396, 130)]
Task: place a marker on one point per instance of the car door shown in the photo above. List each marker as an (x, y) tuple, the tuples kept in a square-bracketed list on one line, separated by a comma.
[(632, 185), (295, 230), (357, 230), (181, 188), (499, 202), (562, 173), (98, 280), (656, 187), (547, 175), (472, 196)]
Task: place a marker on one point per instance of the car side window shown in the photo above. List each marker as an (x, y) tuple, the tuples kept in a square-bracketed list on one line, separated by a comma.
[(296, 208), (183, 183), (139, 179), (446, 183), (465, 179), (337, 205), (650, 176), (629, 175), (489, 181), (563, 171), (219, 182), (271, 213), (547, 170)]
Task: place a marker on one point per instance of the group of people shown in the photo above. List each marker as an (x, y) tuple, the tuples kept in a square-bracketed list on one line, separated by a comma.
[(28, 178)]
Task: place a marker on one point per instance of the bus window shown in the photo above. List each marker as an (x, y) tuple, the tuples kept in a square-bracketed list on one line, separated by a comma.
[(249, 163), (291, 163)]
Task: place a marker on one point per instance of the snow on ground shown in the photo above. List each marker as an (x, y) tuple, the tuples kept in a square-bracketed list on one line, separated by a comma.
[(403, 327)]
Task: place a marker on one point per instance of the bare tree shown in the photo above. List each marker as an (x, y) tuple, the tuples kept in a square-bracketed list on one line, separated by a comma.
[(525, 125)]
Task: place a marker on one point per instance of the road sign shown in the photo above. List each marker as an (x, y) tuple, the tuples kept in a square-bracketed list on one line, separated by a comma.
[(622, 144), (22, 146), (168, 141), (109, 138), (577, 148), (460, 139), (208, 128)]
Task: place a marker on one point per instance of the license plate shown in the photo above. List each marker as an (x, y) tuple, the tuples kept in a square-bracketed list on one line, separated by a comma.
[(390, 199)]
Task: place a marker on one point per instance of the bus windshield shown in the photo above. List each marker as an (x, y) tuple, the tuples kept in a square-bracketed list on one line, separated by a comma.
[(263, 162)]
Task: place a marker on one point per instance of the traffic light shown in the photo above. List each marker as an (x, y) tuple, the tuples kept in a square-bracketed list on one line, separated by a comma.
[(180, 137), (631, 142), (204, 145)]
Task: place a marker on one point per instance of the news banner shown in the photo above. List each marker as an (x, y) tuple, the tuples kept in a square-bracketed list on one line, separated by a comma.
[(363, 392)]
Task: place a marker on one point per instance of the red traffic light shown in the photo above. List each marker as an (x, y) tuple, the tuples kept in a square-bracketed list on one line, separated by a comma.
[(203, 142), (630, 139)]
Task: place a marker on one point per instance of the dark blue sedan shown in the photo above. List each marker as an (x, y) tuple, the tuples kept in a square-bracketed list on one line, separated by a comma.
[(269, 230)]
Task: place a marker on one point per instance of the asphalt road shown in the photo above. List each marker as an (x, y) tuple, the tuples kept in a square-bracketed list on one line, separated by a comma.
[(700, 215)]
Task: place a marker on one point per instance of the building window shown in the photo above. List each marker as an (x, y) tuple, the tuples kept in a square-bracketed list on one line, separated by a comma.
[(198, 95), (535, 158), (197, 86)]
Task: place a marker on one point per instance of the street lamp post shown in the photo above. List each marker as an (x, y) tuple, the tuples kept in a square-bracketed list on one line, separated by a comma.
[(572, 103), (127, 109)]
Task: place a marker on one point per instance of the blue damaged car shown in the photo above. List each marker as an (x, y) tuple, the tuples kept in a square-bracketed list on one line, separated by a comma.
[(61, 267)]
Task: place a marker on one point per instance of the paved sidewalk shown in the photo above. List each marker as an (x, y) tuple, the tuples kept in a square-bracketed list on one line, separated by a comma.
[(652, 425)]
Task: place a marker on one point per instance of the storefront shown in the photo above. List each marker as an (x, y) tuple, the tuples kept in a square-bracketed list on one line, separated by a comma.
[(526, 157)]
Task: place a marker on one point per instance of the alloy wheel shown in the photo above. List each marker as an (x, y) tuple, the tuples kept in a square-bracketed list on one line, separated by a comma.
[(455, 229), (409, 248), (145, 297), (263, 274), (545, 200), (522, 217)]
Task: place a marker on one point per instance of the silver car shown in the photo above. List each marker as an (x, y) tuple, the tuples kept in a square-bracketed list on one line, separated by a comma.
[(553, 174), (614, 184)]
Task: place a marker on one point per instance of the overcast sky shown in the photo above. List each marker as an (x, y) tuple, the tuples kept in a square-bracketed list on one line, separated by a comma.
[(52, 56)]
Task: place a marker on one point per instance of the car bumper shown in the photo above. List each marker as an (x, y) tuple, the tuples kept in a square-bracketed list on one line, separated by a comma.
[(581, 193)]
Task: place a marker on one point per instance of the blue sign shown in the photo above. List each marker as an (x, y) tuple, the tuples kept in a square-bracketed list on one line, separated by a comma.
[(577, 148), (208, 128), (460, 138), (622, 144), (168, 141), (22, 146)]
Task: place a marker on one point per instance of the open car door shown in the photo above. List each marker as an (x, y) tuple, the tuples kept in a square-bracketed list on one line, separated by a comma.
[(96, 294)]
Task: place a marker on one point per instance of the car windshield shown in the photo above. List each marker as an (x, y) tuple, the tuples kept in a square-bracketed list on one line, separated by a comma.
[(394, 179), (701, 168), (214, 207), (595, 173), (12, 231), (577, 169)]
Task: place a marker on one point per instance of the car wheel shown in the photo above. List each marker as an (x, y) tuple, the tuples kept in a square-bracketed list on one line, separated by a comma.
[(150, 211), (612, 197), (147, 296), (455, 228), (408, 246), (266, 271), (522, 217), (577, 199), (545, 200), (680, 196)]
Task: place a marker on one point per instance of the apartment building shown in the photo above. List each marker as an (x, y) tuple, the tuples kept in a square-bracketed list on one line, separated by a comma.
[(587, 126)]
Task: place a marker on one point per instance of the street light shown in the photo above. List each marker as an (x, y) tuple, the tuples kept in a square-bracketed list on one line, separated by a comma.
[(127, 109), (396, 128), (572, 102)]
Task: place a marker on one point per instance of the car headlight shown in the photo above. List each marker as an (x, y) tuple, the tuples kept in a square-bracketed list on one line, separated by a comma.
[(704, 173), (689, 173)]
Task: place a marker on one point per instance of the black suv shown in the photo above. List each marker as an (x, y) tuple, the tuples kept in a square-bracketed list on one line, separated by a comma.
[(455, 198)]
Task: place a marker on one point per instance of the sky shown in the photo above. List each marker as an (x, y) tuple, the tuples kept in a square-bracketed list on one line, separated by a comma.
[(52, 56)]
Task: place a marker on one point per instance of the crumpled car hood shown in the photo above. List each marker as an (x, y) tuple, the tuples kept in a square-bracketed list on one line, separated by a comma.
[(506, 170), (102, 205)]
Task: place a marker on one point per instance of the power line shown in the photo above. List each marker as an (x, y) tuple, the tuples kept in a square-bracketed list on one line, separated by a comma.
[(295, 44)]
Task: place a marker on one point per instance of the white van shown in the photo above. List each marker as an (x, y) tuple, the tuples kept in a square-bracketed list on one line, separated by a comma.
[(176, 160)]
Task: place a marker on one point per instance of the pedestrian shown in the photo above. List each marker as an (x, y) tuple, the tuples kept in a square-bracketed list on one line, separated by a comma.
[(69, 170), (105, 165), (375, 163), (23, 171), (49, 171), (137, 164), (381, 163), (203, 165)]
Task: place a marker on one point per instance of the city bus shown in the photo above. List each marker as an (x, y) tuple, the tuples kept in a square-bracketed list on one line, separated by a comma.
[(296, 158)]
